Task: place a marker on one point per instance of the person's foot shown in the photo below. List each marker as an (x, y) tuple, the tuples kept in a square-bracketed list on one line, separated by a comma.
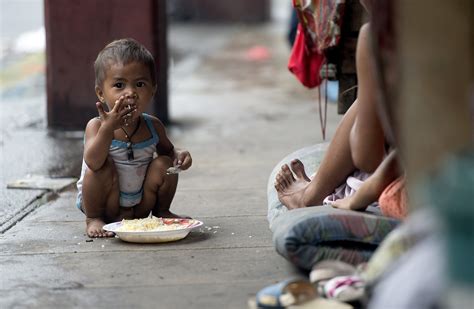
[(94, 228), (298, 168), (290, 189), (169, 214)]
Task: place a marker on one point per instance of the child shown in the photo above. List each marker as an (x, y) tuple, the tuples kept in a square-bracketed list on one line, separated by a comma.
[(126, 152)]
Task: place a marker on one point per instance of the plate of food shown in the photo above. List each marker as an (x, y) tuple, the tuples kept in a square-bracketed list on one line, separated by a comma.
[(152, 229)]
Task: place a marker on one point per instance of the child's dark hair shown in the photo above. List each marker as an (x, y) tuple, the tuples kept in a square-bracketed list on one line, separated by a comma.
[(123, 51)]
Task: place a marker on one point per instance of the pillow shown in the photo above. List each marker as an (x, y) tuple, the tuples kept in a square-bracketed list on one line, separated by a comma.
[(309, 235)]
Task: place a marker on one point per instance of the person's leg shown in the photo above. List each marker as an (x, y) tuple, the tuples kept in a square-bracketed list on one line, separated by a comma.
[(296, 192), (158, 190), (367, 139), (358, 143), (100, 199)]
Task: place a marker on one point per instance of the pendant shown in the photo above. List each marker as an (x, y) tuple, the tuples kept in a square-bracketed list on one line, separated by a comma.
[(130, 152)]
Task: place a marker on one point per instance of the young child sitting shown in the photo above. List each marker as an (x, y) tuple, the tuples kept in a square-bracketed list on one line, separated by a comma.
[(126, 152)]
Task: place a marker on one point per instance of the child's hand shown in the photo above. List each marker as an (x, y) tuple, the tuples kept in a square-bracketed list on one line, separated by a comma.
[(118, 116), (183, 160), (344, 203)]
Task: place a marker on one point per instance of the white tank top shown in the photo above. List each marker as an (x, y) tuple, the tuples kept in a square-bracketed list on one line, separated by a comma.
[(131, 174)]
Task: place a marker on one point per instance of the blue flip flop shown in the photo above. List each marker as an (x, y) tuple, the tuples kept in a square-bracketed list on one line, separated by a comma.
[(289, 292)]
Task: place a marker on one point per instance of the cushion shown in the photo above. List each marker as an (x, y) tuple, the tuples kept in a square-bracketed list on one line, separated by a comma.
[(309, 235)]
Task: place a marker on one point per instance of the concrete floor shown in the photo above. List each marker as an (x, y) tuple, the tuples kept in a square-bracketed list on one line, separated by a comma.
[(238, 117)]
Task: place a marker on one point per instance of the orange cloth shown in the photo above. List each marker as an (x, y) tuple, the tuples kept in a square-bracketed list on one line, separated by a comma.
[(393, 200)]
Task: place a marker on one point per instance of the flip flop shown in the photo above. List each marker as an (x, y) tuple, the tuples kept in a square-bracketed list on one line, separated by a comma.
[(329, 269), (338, 280), (323, 303), (289, 292), (344, 288)]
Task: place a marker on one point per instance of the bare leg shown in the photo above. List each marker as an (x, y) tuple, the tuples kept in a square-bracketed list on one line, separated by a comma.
[(296, 192), (158, 190), (100, 199), (357, 144), (367, 139)]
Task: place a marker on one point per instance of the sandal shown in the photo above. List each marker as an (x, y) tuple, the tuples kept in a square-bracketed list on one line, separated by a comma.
[(289, 292), (338, 280), (343, 288), (329, 269)]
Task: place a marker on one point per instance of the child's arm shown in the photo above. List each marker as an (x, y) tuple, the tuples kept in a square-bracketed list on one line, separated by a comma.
[(371, 189), (180, 157), (99, 134)]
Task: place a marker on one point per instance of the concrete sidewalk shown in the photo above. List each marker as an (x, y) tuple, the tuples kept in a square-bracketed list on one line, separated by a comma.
[(238, 117)]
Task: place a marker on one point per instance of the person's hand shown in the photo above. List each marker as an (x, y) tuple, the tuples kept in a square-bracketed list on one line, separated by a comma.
[(183, 160), (118, 116), (344, 203)]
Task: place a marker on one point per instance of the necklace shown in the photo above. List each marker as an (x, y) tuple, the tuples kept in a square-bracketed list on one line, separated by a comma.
[(130, 156)]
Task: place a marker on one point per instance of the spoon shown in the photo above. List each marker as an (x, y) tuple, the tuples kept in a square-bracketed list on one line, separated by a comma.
[(173, 170)]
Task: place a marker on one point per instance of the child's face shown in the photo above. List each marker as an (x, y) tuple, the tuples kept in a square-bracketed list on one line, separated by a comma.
[(132, 80)]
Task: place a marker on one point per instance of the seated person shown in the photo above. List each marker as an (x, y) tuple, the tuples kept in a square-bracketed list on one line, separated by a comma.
[(357, 149)]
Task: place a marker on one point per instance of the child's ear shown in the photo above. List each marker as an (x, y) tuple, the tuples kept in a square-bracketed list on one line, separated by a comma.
[(154, 89), (100, 94)]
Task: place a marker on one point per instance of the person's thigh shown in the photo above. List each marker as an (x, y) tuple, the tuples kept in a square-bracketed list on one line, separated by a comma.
[(158, 187), (366, 137)]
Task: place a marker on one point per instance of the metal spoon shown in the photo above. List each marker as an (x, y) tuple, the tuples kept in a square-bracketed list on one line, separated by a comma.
[(174, 170)]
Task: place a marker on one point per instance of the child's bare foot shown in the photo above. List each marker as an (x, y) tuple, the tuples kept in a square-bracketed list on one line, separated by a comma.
[(290, 189), (169, 214), (94, 228)]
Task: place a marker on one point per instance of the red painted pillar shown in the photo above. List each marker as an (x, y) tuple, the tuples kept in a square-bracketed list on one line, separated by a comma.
[(76, 31)]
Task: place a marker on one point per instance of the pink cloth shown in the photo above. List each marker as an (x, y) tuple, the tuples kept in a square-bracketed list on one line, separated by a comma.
[(352, 184)]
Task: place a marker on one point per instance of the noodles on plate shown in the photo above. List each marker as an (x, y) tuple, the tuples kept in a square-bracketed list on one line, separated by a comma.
[(154, 224)]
